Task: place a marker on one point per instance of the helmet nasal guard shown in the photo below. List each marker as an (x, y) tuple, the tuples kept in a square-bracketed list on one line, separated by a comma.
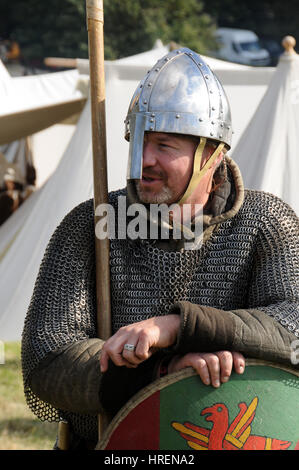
[(181, 95)]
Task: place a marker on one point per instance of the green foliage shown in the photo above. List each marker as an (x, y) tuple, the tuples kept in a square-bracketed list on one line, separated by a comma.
[(58, 27), (133, 26), (55, 28)]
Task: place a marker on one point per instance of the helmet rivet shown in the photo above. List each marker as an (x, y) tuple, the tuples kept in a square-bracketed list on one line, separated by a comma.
[(200, 119), (221, 125), (211, 91), (149, 84), (200, 64), (151, 128), (206, 77), (212, 122), (178, 52), (153, 115), (220, 136), (157, 69), (211, 133), (213, 108), (177, 116), (144, 101)]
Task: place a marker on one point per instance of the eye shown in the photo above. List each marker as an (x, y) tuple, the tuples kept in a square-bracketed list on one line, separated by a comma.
[(163, 146), (166, 146)]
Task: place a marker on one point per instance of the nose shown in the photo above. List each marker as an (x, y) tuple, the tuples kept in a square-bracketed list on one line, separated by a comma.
[(149, 155)]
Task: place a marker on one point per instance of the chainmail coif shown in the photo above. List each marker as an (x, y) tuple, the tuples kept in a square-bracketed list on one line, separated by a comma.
[(250, 261)]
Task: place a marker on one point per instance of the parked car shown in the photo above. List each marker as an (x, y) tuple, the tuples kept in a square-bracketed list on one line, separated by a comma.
[(241, 46)]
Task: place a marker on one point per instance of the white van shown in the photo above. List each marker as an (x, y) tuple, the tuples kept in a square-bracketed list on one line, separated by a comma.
[(241, 46)]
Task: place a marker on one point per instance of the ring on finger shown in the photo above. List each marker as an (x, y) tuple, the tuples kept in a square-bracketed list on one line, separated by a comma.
[(129, 347)]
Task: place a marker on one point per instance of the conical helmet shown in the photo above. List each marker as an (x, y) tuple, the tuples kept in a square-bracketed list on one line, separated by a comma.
[(181, 95)]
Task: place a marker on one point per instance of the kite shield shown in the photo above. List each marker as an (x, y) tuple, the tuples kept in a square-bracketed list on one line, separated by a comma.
[(254, 411)]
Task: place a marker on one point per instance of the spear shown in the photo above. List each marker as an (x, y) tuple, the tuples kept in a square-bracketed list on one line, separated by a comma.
[(95, 27)]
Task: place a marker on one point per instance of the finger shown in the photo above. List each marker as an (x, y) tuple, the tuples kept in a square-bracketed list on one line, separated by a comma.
[(213, 364), (200, 366), (112, 350), (226, 365), (143, 348), (117, 360), (130, 358), (239, 362), (130, 355)]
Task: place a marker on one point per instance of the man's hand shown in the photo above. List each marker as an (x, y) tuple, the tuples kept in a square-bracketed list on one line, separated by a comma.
[(213, 368), (146, 336)]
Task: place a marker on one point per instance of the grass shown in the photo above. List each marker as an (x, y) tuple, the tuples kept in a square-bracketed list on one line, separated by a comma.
[(19, 428)]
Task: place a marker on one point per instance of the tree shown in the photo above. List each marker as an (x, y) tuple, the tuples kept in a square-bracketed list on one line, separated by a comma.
[(58, 27), (50, 28), (133, 26)]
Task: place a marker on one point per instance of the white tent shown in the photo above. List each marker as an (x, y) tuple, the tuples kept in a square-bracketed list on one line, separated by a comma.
[(4, 75), (23, 238), (267, 151), (32, 103), (29, 105)]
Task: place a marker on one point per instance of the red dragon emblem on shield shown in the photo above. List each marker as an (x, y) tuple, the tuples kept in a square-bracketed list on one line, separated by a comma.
[(225, 436)]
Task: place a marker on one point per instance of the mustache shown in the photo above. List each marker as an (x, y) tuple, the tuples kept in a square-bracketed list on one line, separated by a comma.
[(152, 174)]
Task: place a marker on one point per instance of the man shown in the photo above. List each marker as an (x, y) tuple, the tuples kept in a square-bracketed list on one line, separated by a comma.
[(234, 295)]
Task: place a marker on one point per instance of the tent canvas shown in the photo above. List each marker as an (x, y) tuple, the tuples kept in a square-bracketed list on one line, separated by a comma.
[(23, 93), (4, 74), (266, 152), (32, 103), (24, 236), (29, 105)]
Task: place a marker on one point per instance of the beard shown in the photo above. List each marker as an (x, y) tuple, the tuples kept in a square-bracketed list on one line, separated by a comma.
[(162, 197)]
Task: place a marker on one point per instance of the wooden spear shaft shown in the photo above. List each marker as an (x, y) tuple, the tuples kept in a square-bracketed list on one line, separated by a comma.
[(95, 23), (95, 27)]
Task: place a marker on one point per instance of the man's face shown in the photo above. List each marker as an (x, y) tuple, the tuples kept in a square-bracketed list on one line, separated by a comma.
[(167, 167)]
